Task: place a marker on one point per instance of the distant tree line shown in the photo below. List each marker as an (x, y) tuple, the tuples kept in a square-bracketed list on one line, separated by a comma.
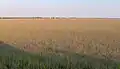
[(38, 18)]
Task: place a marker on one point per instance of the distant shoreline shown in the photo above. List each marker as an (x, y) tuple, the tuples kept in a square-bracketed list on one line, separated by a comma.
[(51, 18)]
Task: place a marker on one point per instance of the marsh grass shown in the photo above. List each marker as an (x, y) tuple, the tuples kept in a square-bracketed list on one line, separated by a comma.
[(13, 58), (71, 61), (50, 44)]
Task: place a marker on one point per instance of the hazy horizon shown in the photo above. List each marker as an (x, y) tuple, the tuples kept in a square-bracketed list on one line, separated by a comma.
[(67, 8)]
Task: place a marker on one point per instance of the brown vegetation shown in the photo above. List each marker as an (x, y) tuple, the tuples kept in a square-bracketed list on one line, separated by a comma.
[(1, 42), (99, 37)]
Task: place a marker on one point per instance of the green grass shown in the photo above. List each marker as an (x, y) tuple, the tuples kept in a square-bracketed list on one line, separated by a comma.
[(13, 58), (54, 62)]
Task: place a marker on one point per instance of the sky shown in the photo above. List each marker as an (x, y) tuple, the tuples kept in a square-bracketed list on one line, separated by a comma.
[(62, 8)]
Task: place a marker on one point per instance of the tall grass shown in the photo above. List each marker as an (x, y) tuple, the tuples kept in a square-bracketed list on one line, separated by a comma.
[(50, 61)]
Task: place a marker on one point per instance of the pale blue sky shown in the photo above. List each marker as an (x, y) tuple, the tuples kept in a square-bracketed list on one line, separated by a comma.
[(78, 8)]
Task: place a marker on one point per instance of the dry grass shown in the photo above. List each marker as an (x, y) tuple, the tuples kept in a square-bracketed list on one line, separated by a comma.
[(99, 37)]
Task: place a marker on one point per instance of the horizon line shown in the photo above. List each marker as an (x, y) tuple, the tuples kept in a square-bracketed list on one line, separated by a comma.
[(54, 17)]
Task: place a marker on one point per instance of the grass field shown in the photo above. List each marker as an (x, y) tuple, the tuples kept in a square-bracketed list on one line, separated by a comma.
[(98, 38)]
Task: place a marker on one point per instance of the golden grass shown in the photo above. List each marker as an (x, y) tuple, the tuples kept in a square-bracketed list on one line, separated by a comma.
[(88, 36)]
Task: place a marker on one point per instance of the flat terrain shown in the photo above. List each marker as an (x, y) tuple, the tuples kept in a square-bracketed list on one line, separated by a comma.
[(99, 37)]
